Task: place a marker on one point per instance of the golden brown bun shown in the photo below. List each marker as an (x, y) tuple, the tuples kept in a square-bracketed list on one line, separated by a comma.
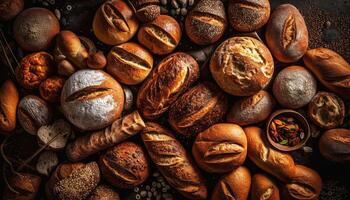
[(161, 36), (242, 66), (205, 25), (8, 106), (251, 110), (125, 165), (129, 63), (233, 186), (294, 87), (306, 184), (264, 188), (287, 34), (173, 162), (273, 161), (173, 76), (198, 109), (32, 113), (146, 10), (92, 99), (220, 148), (35, 28), (27, 185), (104, 192), (10, 8), (334, 145), (73, 181), (248, 15), (115, 22), (326, 110), (332, 70)]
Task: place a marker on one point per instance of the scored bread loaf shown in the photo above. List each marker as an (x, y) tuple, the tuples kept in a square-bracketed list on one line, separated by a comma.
[(97, 141), (264, 188), (173, 162), (264, 156)]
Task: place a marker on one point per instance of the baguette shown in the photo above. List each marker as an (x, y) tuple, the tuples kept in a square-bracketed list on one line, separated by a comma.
[(173, 162), (330, 69), (97, 141), (275, 162)]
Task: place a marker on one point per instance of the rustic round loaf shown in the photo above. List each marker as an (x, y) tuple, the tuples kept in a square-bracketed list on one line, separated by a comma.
[(334, 145), (251, 110), (294, 87), (198, 109), (146, 10), (220, 148), (115, 22), (206, 22), (92, 99), (242, 66), (10, 8), (125, 165), (27, 185), (248, 15), (129, 63), (161, 36), (104, 192)]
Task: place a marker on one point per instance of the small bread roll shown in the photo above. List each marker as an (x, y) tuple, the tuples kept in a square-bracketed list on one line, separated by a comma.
[(9, 98), (47, 161), (220, 148), (55, 135), (334, 145), (234, 185), (264, 188), (104, 192), (28, 186)]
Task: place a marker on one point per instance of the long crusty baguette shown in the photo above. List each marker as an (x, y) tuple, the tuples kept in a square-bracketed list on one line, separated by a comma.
[(331, 70), (173, 162), (275, 162), (97, 141)]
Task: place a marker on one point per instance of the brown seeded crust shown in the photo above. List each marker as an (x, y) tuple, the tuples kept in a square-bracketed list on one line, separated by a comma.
[(334, 145), (305, 184), (50, 89), (73, 181), (121, 29), (104, 192), (273, 161), (205, 25), (233, 186), (27, 185), (294, 87), (264, 188), (161, 36), (251, 110), (129, 63), (35, 28), (173, 162), (125, 165), (198, 109), (287, 34), (242, 66), (220, 148), (8, 106), (10, 8), (173, 76), (146, 10), (326, 110), (248, 15), (332, 70)]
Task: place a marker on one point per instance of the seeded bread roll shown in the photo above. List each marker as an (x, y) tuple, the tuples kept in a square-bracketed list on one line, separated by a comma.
[(73, 181), (286, 34), (146, 10), (92, 99), (220, 148), (173, 162), (332, 70), (273, 161), (251, 110), (334, 145), (234, 185), (248, 15), (161, 36), (8, 106), (104, 192), (242, 66), (304, 184), (198, 109), (206, 22), (264, 188)]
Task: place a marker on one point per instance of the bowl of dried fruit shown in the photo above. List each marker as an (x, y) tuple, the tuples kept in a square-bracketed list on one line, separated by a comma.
[(287, 130)]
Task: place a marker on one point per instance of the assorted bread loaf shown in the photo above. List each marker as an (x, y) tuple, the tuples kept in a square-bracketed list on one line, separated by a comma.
[(159, 100)]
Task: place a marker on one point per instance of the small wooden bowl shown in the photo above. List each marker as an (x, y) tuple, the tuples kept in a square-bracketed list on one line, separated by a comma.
[(302, 121)]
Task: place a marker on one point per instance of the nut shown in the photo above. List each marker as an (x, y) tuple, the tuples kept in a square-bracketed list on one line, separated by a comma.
[(50, 89)]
